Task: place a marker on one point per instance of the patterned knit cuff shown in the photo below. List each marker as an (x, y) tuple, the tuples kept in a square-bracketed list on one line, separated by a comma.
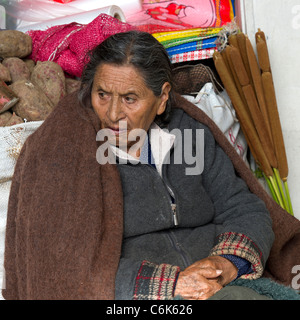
[(155, 282), (240, 245)]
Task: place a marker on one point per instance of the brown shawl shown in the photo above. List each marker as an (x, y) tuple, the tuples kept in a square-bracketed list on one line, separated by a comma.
[(64, 223)]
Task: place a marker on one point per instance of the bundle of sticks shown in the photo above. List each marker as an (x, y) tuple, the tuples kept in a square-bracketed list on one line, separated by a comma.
[(249, 83)]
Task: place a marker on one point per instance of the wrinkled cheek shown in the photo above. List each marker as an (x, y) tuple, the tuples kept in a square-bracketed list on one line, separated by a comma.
[(99, 112)]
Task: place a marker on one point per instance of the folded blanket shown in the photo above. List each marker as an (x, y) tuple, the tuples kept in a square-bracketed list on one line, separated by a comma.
[(178, 42), (172, 38), (192, 46), (65, 212), (192, 55)]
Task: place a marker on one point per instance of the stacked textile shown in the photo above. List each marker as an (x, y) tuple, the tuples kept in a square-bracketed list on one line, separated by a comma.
[(187, 29), (189, 44)]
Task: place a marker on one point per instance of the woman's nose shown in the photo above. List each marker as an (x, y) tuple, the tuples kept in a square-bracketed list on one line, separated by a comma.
[(115, 112)]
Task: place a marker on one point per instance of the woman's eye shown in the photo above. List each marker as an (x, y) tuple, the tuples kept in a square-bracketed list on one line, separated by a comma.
[(103, 95), (129, 100)]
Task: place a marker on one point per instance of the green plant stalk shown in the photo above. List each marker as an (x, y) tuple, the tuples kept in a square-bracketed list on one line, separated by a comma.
[(279, 183), (271, 188), (288, 197), (275, 188)]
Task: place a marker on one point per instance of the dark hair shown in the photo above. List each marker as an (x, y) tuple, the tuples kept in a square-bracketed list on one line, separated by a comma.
[(139, 49)]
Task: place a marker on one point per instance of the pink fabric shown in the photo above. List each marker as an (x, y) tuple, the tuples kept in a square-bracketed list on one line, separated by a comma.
[(183, 14), (68, 44)]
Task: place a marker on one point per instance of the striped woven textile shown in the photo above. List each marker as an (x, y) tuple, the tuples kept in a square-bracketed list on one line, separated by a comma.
[(192, 55), (172, 38), (193, 46), (190, 44)]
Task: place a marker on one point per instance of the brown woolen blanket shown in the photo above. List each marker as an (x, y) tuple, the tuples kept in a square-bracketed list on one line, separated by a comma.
[(65, 216)]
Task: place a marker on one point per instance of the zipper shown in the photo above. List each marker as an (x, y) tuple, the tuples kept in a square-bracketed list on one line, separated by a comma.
[(173, 203), (170, 234), (178, 249), (167, 186), (175, 219), (172, 197)]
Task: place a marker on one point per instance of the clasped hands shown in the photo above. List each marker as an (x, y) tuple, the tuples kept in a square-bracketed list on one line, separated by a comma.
[(204, 278)]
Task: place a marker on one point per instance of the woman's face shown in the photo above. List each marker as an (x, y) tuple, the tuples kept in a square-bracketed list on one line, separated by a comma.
[(123, 102)]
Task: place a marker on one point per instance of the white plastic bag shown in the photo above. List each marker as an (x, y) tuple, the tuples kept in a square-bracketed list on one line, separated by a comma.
[(27, 12), (11, 141), (219, 108), (128, 7)]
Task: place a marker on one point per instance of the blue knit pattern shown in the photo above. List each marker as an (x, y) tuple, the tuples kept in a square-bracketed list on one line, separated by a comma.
[(243, 265)]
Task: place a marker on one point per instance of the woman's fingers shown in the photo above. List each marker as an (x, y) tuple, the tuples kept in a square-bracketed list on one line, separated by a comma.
[(207, 272), (193, 286), (204, 278), (229, 270)]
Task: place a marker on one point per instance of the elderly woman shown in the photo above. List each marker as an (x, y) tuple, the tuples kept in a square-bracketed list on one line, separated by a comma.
[(131, 218), (172, 221)]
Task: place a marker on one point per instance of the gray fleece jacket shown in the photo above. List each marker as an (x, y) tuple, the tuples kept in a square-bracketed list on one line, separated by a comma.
[(174, 219)]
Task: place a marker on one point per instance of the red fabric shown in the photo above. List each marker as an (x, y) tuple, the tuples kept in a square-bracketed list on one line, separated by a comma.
[(154, 28), (224, 12), (62, 1), (68, 44)]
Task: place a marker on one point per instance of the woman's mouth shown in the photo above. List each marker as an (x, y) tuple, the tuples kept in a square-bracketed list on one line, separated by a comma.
[(117, 130)]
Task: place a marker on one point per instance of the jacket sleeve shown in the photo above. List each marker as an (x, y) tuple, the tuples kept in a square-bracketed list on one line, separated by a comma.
[(144, 280), (244, 222)]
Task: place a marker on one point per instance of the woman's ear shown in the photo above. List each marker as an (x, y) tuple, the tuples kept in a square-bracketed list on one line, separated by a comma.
[(165, 90)]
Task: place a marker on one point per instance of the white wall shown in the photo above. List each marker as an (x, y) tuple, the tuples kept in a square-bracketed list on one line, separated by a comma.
[(280, 21)]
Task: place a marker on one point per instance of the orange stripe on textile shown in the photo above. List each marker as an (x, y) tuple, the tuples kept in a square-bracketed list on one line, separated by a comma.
[(218, 15)]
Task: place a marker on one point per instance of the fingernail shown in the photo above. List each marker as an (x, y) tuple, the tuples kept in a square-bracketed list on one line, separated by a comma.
[(219, 271)]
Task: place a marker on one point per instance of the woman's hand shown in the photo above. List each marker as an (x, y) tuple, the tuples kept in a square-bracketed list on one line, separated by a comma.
[(205, 277)]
